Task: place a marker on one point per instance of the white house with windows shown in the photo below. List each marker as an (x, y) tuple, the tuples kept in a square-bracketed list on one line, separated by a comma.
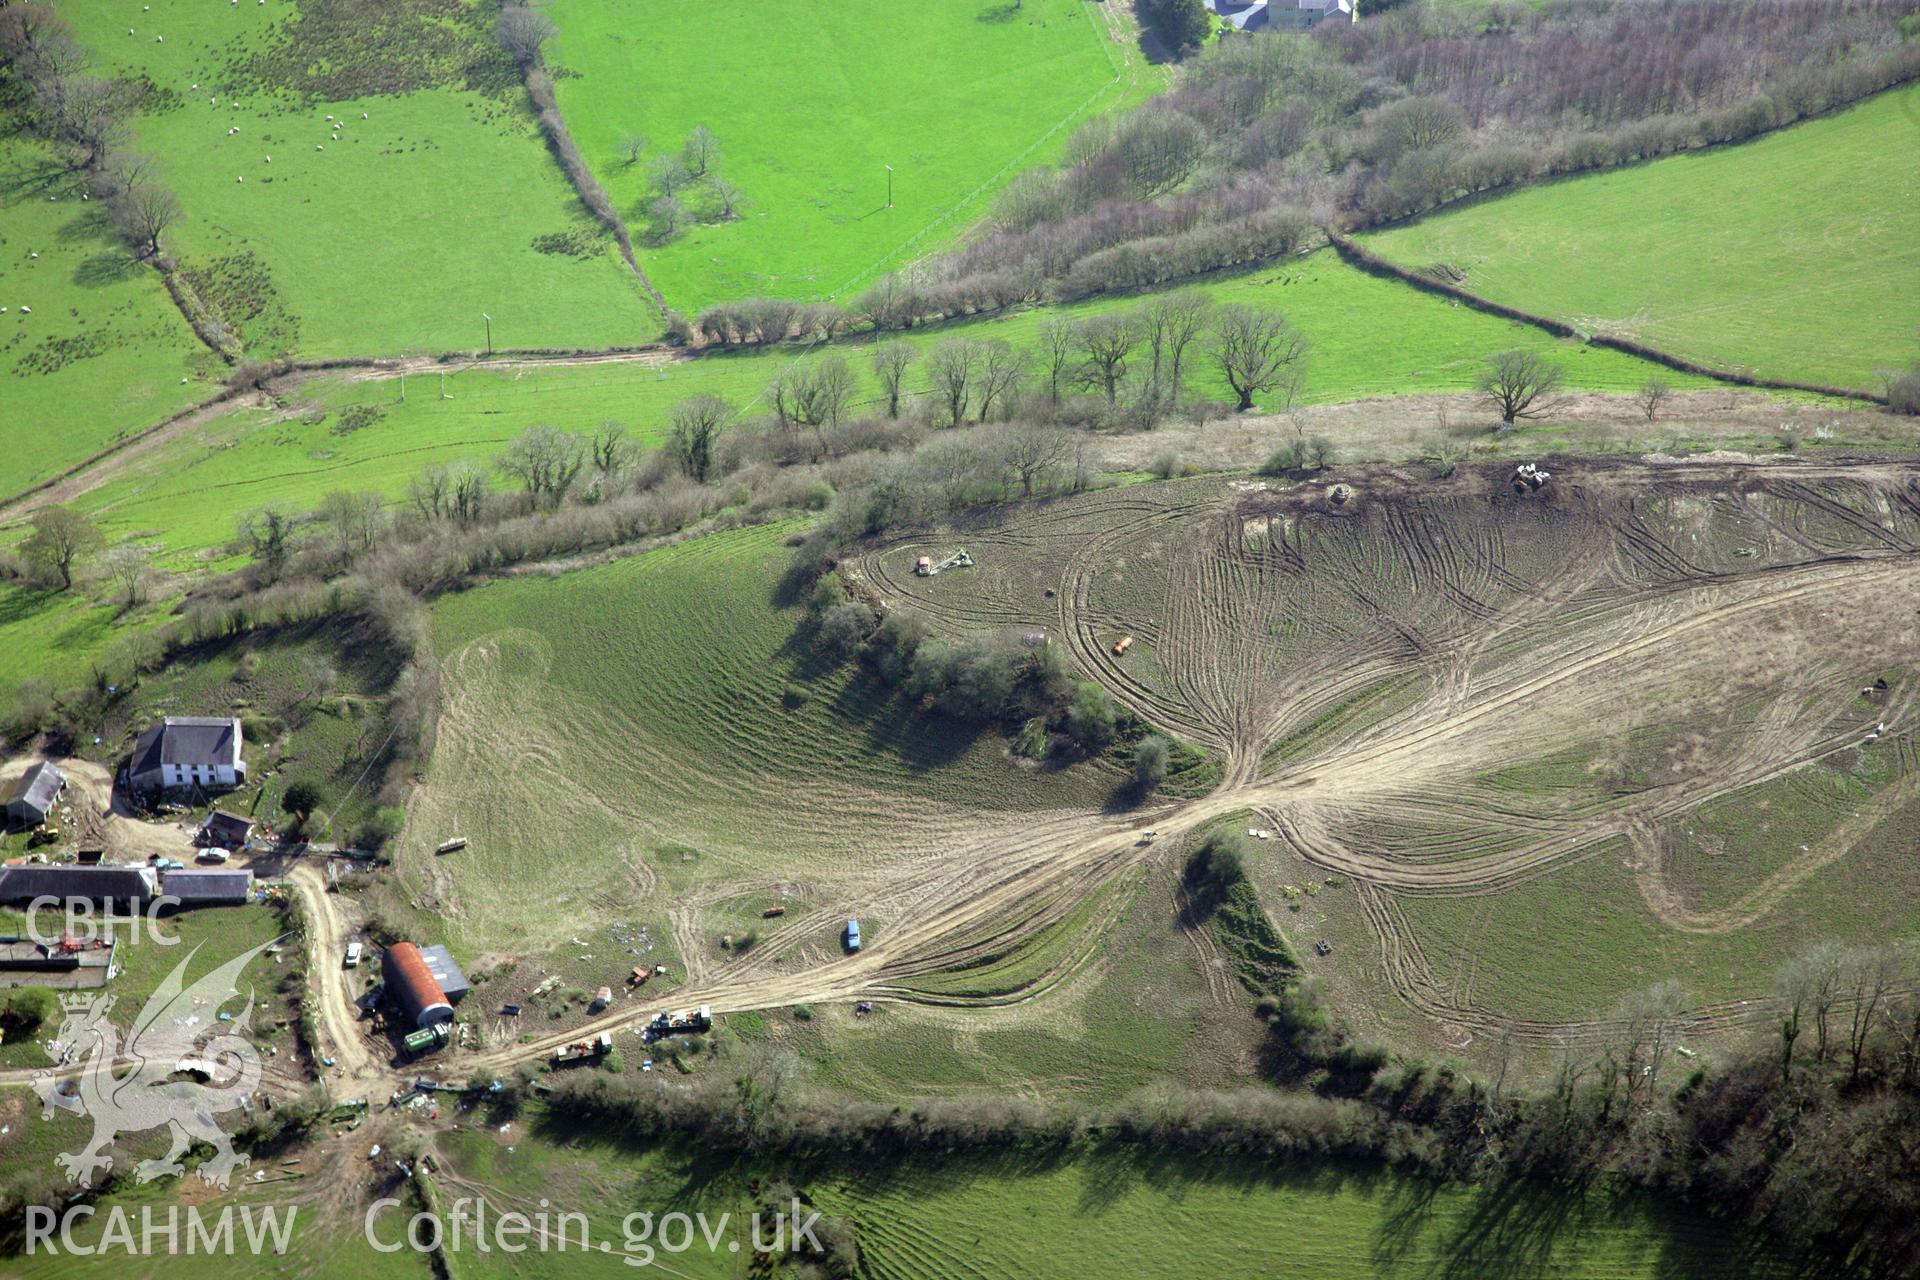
[(1282, 15), (188, 753)]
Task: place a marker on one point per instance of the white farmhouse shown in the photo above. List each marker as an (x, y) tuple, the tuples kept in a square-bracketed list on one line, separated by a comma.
[(188, 753), (1282, 15)]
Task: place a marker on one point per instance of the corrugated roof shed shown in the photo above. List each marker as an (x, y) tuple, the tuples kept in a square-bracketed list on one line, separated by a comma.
[(32, 794), (208, 885), (453, 983), (413, 986)]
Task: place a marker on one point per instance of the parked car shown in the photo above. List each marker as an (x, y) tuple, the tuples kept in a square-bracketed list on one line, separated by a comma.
[(853, 935), (353, 955)]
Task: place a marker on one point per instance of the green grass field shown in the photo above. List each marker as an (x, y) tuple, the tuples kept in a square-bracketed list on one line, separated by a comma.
[(399, 232), (675, 673), (1043, 1217), (1173, 1217), (1778, 256), (819, 97), (1567, 945), (100, 350), (253, 456)]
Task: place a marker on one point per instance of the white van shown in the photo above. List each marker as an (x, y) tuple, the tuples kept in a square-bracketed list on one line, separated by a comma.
[(353, 955)]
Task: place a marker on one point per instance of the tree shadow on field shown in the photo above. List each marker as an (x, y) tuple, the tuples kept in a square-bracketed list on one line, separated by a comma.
[(999, 14), (1517, 1230), (103, 269)]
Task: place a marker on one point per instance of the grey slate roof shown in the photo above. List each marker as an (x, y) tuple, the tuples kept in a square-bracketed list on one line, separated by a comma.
[(75, 884), (188, 740), (208, 884), (37, 787), (453, 983)]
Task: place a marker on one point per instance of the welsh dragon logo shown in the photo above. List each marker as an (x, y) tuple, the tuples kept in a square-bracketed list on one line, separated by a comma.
[(147, 1082)]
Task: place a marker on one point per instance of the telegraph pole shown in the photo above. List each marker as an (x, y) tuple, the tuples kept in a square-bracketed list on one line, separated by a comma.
[(889, 186), (489, 320)]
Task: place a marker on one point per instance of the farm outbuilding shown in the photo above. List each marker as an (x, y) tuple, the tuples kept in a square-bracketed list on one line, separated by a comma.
[(414, 988), (453, 983), (225, 830), (208, 886), (107, 888), (31, 797), (188, 753)]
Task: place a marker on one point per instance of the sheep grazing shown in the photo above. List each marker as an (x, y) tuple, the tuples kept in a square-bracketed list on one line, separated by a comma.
[(33, 254), (363, 115), (26, 311), (320, 146), (269, 159), (239, 179), (159, 39)]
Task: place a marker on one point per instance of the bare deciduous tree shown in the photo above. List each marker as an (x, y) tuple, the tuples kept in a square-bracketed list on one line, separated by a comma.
[(701, 149), (142, 213), (523, 32), (728, 195), (353, 520), (1105, 342), (1652, 396), (1030, 451), (669, 216), (1520, 384), (1257, 351), (1170, 324), (1001, 369), (814, 394), (130, 567), (61, 539), (1057, 350), (696, 426), (890, 362), (546, 462), (668, 175), (951, 369), (608, 447), (631, 145), (268, 533)]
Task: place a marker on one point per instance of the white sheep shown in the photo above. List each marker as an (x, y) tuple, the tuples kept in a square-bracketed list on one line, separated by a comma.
[(159, 39), (26, 311), (33, 254), (269, 159), (320, 147), (363, 115), (239, 179)]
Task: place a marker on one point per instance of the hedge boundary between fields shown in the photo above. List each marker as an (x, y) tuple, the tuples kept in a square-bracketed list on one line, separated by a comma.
[(1372, 263)]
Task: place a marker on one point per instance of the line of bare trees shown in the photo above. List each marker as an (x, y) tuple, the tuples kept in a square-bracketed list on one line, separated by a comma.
[(86, 118)]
